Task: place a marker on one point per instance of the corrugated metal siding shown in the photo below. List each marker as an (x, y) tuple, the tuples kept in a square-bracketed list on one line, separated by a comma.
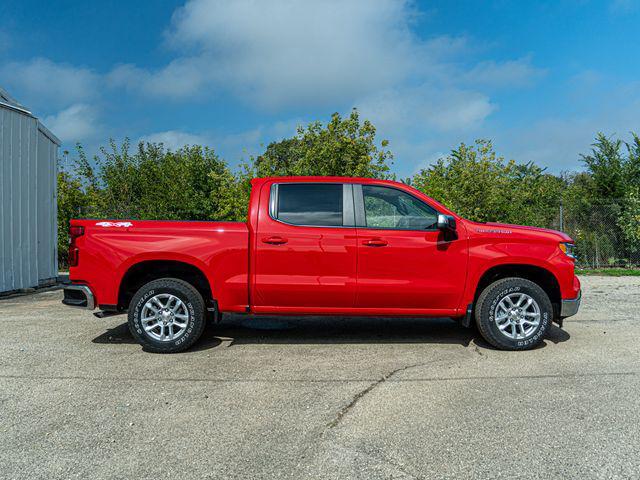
[(28, 228)]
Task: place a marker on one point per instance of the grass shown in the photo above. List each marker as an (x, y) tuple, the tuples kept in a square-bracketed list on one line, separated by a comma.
[(610, 272)]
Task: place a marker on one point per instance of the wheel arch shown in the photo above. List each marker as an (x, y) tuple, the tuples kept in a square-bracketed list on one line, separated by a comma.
[(538, 275), (146, 271)]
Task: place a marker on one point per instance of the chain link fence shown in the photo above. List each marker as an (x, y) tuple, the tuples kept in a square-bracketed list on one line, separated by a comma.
[(602, 238)]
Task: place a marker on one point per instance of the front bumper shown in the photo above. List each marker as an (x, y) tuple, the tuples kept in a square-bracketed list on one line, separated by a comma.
[(570, 307), (79, 296)]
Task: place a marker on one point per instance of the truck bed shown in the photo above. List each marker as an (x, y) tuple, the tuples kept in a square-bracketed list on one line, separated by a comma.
[(112, 247)]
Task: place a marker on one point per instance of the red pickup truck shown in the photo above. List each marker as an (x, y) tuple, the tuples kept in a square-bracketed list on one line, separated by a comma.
[(325, 246)]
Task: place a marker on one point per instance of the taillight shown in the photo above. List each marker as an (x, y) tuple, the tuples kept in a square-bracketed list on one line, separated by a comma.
[(74, 252), (75, 232), (74, 256)]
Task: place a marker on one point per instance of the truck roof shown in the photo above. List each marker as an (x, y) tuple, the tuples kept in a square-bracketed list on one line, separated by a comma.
[(327, 179)]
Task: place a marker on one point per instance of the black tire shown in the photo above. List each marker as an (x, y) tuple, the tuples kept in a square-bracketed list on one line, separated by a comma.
[(486, 307), (193, 302)]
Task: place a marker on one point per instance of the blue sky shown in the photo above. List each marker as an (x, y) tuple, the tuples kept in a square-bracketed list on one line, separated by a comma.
[(538, 78)]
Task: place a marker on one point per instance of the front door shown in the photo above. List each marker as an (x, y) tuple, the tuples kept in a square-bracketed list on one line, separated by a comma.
[(306, 249), (404, 261)]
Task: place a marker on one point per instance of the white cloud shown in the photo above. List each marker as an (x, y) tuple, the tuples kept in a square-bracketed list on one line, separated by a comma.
[(281, 53), (175, 139), (427, 108), (289, 53), (183, 77), (42, 81), (514, 73), (74, 124)]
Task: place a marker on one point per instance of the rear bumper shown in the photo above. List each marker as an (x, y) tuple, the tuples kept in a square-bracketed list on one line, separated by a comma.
[(570, 307), (79, 296)]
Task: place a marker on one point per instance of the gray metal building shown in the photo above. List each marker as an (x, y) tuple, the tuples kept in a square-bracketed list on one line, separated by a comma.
[(28, 207)]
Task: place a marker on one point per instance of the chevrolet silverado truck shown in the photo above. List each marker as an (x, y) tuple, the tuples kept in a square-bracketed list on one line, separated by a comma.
[(324, 246)]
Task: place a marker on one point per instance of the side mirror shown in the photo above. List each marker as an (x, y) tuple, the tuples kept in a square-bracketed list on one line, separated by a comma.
[(446, 222)]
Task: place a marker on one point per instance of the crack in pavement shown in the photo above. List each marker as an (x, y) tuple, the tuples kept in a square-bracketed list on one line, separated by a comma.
[(358, 396), (345, 409)]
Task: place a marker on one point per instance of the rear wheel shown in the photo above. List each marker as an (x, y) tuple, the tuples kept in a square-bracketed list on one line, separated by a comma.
[(513, 314), (167, 315)]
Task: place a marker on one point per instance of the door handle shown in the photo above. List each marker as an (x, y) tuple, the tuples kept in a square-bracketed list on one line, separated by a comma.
[(375, 242), (274, 240)]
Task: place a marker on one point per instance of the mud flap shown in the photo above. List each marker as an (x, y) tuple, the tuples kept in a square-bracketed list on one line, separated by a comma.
[(213, 312), (466, 320)]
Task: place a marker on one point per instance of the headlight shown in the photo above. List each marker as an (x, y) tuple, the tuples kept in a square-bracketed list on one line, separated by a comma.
[(568, 249)]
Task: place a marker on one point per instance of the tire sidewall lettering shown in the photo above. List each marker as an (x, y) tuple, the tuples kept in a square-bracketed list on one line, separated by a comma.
[(138, 308), (187, 334)]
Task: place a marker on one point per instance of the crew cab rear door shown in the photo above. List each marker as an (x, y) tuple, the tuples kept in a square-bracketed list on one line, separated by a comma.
[(404, 262), (305, 251)]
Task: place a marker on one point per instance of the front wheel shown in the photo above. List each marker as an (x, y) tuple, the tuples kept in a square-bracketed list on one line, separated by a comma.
[(513, 314), (167, 315)]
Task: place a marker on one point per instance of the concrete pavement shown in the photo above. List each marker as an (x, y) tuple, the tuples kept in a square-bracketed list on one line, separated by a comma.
[(320, 397)]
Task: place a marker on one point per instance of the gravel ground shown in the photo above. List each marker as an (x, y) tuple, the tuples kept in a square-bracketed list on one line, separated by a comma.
[(335, 398)]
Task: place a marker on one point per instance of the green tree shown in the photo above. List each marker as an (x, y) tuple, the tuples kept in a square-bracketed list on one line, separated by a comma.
[(606, 166), (72, 202), (631, 166), (480, 185), (192, 183), (344, 147)]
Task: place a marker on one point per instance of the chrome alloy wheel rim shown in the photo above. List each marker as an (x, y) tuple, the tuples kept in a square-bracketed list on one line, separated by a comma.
[(517, 316), (165, 317)]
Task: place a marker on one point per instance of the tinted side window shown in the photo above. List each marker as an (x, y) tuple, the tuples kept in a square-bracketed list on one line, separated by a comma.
[(387, 207), (310, 204)]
